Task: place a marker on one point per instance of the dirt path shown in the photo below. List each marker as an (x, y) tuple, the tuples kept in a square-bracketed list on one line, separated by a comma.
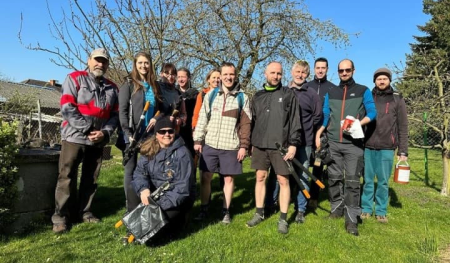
[(445, 255)]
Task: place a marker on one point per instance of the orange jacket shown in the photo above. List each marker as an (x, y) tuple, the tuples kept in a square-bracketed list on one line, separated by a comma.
[(198, 106)]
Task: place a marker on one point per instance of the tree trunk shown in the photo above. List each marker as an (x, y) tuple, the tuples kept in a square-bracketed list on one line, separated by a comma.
[(445, 184)]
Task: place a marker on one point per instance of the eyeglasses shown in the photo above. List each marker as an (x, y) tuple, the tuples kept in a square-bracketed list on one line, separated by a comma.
[(170, 74), (347, 70), (163, 132)]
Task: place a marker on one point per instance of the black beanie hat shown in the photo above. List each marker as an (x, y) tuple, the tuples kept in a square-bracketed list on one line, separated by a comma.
[(164, 123), (382, 71)]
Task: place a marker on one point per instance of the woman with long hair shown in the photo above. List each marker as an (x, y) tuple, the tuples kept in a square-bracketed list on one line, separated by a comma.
[(172, 102), (140, 87), (189, 96), (213, 81), (165, 158)]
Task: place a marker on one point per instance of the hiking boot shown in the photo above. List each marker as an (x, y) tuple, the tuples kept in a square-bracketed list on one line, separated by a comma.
[(201, 216), (300, 218), (352, 228), (283, 227), (226, 218), (313, 204), (257, 218), (90, 218), (59, 228), (382, 219), (365, 216), (333, 216)]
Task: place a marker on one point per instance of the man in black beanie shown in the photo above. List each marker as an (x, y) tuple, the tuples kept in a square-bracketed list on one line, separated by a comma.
[(392, 123)]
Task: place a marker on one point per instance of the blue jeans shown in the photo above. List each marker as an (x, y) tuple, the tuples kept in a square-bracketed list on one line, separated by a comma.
[(303, 154), (377, 163)]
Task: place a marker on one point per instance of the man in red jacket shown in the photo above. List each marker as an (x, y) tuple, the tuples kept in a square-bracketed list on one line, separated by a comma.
[(89, 106)]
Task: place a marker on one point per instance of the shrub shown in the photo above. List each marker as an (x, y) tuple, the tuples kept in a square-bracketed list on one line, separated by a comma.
[(8, 171)]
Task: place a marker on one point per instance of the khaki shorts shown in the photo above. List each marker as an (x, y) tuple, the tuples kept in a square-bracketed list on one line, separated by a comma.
[(262, 159)]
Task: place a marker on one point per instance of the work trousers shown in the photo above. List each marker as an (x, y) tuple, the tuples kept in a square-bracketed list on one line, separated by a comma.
[(72, 154), (344, 179)]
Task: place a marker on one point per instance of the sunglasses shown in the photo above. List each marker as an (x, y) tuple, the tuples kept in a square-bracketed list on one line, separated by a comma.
[(347, 70), (163, 132)]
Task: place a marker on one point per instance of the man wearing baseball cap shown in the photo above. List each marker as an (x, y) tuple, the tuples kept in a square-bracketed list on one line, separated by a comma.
[(387, 133), (89, 106)]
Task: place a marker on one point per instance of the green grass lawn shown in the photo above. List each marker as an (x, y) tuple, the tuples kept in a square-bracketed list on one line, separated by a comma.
[(419, 227)]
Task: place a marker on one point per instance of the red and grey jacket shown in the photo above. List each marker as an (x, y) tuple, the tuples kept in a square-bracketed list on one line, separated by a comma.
[(88, 105)]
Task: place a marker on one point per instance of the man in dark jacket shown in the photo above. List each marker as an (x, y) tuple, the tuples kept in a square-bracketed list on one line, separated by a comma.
[(387, 133), (347, 153), (310, 118), (275, 118), (89, 106), (321, 85)]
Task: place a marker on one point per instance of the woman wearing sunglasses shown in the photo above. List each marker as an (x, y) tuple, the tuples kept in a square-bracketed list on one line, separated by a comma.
[(139, 88), (164, 157)]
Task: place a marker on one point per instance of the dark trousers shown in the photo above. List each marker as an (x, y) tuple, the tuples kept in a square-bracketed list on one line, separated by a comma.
[(132, 199), (72, 154), (178, 220), (314, 191), (344, 179)]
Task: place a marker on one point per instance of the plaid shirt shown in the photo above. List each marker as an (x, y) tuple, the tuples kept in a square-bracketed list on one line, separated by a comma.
[(223, 131)]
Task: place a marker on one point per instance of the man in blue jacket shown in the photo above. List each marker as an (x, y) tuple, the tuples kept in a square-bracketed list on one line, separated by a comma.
[(347, 153)]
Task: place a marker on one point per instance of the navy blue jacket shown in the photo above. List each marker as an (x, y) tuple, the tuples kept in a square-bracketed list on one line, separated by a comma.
[(150, 174), (310, 111), (321, 86)]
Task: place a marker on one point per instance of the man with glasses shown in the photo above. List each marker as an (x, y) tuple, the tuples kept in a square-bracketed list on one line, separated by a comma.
[(321, 85), (348, 99)]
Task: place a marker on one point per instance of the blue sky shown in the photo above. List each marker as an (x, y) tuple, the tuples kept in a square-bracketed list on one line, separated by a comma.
[(385, 30)]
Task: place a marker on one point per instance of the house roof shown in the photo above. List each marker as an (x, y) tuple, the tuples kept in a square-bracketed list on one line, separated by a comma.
[(50, 84), (49, 97)]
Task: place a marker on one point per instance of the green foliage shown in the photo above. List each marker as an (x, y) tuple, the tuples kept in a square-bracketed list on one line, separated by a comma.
[(425, 82), (20, 104), (416, 232), (8, 171)]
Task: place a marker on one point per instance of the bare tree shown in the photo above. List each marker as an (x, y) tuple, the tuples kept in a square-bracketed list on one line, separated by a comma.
[(429, 93), (199, 34)]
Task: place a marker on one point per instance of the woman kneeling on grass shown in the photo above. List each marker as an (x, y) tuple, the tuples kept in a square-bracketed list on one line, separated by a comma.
[(165, 158)]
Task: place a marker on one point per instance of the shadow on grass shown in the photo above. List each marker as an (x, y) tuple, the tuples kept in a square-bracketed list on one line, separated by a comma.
[(108, 201), (394, 202), (425, 179)]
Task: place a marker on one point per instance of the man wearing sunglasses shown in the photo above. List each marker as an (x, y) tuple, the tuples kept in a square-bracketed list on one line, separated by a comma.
[(348, 99)]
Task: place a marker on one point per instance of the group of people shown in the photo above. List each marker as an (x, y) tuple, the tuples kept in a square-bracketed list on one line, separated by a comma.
[(181, 128)]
